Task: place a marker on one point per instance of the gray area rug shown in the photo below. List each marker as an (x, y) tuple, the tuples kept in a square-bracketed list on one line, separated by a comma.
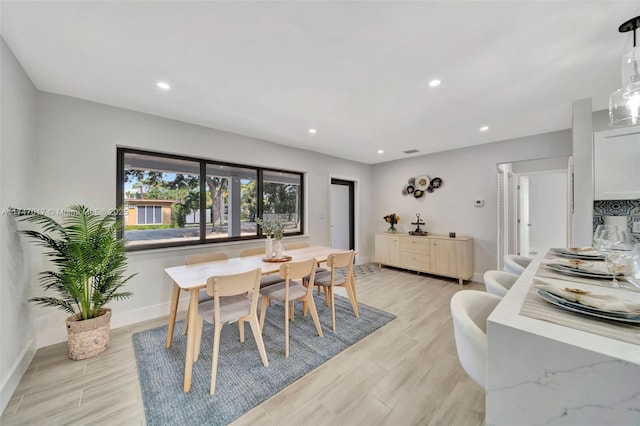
[(243, 382)]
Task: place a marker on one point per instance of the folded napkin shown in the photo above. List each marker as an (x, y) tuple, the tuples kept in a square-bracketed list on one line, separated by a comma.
[(586, 251), (605, 302)]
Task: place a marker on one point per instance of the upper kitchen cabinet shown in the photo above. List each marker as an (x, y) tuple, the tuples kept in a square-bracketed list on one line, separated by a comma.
[(616, 160)]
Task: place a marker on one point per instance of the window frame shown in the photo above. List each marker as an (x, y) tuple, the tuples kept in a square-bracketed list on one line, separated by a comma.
[(120, 198)]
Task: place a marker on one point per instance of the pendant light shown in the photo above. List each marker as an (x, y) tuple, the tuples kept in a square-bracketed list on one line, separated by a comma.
[(624, 103)]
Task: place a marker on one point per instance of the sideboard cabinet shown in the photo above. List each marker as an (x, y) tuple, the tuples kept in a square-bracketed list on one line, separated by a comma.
[(433, 254)]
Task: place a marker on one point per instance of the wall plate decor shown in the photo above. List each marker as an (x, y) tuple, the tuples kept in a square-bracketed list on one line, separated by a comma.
[(417, 186)]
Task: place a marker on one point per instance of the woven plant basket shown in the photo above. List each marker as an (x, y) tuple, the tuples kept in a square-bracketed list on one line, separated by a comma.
[(89, 337)]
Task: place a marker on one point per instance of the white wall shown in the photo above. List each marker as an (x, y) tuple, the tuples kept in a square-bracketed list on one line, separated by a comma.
[(17, 139), (469, 174), (76, 163), (582, 137), (548, 210)]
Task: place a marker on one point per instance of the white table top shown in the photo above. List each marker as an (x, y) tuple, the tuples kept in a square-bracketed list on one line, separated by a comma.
[(192, 276), (507, 313)]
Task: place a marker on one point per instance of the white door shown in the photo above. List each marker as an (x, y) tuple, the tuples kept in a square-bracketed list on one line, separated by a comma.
[(523, 216), (340, 216), (548, 211)]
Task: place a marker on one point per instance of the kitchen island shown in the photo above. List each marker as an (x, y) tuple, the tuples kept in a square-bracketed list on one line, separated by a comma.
[(541, 372)]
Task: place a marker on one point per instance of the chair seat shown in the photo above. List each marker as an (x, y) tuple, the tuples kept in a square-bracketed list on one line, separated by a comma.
[(276, 291), (231, 308), (269, 280), (203, 296), (324, 279)]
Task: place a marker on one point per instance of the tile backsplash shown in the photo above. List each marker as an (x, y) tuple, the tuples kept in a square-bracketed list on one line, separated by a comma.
[(630, 208)]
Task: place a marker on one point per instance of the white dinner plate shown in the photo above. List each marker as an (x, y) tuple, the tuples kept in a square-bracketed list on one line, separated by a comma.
[(568, 270), (422, 182), (587, 310)]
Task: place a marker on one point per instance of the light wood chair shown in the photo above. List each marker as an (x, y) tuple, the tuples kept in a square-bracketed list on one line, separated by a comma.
[(202, 258), (289, 291), (252, 251), (469, 311), (329, 280), (293, 246), (266, 280), (499, 282), (235, 297)]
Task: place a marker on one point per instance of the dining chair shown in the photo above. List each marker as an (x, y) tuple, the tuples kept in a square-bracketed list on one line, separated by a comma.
[(252, 251), (499, 282), (516, 264), (265, 280), (290, 290), (469, 311), (235, 298), (293, 246), (332, 278), (202, 258)]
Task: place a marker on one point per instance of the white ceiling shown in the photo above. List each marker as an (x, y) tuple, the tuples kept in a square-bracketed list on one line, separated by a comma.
[(358, 72)]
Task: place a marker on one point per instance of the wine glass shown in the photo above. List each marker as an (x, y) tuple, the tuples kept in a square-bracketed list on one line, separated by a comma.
[(632, 272), (603, 237), (618, 252)]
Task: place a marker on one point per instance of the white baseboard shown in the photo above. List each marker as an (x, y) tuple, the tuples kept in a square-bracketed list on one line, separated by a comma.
[(52, 336), (17, 371)]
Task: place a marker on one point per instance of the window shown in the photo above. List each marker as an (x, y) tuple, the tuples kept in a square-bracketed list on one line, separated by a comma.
[(149, 215), (174, 200)]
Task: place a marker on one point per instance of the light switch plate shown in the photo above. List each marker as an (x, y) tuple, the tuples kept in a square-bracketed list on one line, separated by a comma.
[(479, 203)]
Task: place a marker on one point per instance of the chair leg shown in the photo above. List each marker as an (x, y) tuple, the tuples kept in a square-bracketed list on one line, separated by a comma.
[(257, 334), (352, 298), (214, 359), (291, 311), (333, 309), (175, 297), (263, 310), (286, 329), (185, 328), (199, 328), (314, 314), (326, 296), (241, 329)]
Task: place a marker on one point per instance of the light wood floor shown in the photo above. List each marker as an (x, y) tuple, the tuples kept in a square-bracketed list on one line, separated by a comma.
[(405, 373)]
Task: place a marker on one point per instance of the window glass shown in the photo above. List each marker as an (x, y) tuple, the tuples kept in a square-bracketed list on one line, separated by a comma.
[(281, 199), (173, 185), (231, 201)]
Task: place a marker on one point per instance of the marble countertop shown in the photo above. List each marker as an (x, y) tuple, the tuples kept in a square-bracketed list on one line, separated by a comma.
[(507, 313)]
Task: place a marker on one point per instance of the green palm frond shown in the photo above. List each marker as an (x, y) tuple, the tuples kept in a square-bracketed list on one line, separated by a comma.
[(89, 257)]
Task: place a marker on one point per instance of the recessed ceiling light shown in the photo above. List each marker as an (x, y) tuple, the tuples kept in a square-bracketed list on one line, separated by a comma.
[(312, 131), (380, 151), (484, 128), (434, 83), (164, 85)]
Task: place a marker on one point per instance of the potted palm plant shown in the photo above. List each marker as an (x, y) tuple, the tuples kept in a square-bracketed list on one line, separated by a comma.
[(90, 262)]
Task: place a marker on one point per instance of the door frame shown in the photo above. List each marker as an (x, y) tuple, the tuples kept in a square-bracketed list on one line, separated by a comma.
[(352, 185)]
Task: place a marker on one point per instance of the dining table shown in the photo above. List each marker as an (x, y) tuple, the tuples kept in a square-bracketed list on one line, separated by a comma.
[(193, 278), (551, 362)]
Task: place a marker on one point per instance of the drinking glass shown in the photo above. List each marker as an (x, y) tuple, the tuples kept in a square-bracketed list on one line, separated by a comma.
[(632, 273), (603, 237), (619, 250)]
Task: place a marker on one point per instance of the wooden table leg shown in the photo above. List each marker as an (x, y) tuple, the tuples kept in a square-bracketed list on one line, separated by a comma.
[(173, 310), (191, 339)]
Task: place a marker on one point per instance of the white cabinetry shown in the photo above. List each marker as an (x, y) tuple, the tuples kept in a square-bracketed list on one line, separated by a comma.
[(616, 160), (433, 254)]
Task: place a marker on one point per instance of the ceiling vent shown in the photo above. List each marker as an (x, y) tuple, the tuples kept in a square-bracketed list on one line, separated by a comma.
[(410, 151)]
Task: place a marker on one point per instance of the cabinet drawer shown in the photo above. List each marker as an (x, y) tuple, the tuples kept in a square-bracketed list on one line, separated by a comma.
[(414, 261), (414, 245)]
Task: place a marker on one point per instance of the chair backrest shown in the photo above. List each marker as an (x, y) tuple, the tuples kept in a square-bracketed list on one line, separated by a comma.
[(499, 282), (516, 264), (469, 311), (298, 270), (207, 257), (231, 285), (341, 259), (292, 246), (253, 251)]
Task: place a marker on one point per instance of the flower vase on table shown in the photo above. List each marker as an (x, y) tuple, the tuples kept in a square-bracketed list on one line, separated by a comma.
[(278, 249), (268, 247), (392, 219)]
